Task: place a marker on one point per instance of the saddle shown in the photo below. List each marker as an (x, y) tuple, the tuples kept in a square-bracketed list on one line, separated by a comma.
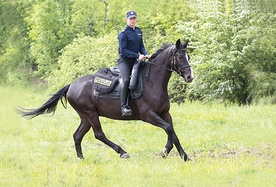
[(107, 84)]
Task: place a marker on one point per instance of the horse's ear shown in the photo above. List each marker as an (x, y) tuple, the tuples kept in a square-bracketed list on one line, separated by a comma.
[(186, 43), (178, 43)]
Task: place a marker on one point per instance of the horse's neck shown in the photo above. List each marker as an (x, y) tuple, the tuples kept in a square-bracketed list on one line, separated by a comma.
[(159, 74)]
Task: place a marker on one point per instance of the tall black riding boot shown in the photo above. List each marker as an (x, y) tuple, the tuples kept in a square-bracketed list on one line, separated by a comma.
[(126, 110)]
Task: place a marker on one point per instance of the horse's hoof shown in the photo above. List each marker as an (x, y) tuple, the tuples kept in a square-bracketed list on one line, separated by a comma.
[(164, 153), (80, 157), (186, 158), (125, 155), (189, 159)]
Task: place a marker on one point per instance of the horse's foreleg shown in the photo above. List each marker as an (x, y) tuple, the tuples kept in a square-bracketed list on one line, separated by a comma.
[(154, 119), (165, 152), (98, 132)]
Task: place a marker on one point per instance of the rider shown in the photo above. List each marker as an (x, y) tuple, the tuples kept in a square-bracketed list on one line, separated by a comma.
[(131, 48)]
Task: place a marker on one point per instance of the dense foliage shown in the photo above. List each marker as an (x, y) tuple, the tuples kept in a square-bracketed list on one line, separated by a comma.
[(232, 43)]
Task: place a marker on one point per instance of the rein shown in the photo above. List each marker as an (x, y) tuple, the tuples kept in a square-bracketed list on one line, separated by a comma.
[(173, 65)]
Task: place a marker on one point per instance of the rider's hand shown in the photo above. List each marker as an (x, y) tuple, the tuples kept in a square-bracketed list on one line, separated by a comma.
[(141, 57), (147, 56)]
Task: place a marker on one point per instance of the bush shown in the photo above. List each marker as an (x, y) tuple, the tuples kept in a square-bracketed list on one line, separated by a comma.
[(82, 57)]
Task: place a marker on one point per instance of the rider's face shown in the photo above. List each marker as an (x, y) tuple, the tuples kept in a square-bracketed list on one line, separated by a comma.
[(131, 21)]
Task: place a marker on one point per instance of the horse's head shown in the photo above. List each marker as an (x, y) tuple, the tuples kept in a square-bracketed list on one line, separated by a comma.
[(180, 63)]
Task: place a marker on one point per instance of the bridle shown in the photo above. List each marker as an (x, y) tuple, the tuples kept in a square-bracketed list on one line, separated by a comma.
[(173, 64), (173, 68)]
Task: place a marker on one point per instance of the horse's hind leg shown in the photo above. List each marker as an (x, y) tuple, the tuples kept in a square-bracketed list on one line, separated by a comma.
[(79, 134), (98, 132)]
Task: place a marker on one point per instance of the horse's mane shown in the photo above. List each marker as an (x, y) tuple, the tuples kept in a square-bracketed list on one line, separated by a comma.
[(160, 50)]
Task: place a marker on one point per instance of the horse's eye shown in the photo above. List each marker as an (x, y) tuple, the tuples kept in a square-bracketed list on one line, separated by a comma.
[(180, 56)]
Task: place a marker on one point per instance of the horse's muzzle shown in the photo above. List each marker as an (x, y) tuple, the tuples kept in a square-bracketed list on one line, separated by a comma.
[(189, 78)]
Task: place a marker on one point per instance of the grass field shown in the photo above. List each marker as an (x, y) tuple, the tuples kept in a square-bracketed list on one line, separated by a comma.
[(229, 146)]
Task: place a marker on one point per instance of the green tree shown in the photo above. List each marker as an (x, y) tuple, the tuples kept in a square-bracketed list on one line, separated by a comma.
[(228, 55), (46, 21), (15, 61)]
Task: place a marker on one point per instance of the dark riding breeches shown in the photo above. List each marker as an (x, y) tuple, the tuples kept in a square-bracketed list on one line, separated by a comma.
[(125, 67)]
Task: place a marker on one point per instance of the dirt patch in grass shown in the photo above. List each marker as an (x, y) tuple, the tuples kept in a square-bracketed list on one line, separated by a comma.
[(265, 153)]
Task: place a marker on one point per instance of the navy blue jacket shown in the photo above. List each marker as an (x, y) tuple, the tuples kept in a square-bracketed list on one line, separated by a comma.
[(131, 43)]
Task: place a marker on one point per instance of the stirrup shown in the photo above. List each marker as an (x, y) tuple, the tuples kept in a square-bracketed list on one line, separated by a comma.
[(126, 110)]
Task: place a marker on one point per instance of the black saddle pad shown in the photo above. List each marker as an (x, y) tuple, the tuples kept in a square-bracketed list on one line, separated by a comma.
[(107, 84)]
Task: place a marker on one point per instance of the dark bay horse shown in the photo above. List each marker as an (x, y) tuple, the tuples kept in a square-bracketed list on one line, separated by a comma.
[(153, 106)]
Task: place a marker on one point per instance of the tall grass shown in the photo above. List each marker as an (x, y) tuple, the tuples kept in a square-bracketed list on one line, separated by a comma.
[(229, 146)]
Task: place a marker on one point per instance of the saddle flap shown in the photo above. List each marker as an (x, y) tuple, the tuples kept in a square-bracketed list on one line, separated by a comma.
[(107, 84), (104, 81)]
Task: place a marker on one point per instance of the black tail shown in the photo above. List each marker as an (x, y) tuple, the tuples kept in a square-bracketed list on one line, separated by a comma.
[(47, 107)]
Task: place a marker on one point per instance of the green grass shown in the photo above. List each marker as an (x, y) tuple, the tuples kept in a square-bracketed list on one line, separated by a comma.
[(229, 146)]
